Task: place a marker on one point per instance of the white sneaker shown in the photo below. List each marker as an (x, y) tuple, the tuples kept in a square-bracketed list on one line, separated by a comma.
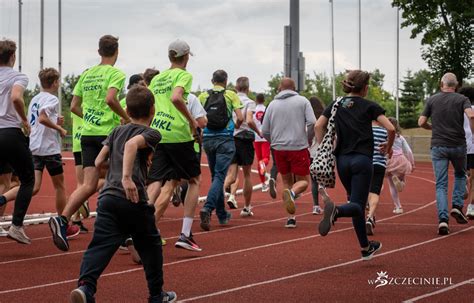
[(317, 210), (398, 211), (469, 212), (264, 187), (3, 232), (17, 233), (246, 212), (232, 202)]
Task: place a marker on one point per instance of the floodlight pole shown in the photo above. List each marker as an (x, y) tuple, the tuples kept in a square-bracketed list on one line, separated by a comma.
[(333, 71), (397, 100), (42, 35)]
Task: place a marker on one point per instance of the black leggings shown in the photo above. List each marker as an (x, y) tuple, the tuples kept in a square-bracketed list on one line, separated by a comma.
[(355, 172), (15, 151)]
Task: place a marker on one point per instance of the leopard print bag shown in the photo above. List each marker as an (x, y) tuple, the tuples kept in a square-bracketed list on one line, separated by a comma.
[(323, 166)]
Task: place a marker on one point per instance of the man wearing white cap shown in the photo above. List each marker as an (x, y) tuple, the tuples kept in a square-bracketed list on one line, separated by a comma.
[(174, 158)]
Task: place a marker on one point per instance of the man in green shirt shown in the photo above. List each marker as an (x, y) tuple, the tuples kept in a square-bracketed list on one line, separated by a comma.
[(174, 158), (95, 100)]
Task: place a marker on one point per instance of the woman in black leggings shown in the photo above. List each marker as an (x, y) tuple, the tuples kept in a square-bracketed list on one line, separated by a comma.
[(354, 150)]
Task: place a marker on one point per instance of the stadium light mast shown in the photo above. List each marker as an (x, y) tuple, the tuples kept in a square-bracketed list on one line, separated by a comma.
[(333, 71), (42, 35), (19, 34), (360, 34), (60, 54), (397, 89), (294, 62)]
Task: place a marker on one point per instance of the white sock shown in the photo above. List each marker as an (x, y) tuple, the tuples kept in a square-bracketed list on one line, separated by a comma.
[(187, 224), (231, 197)]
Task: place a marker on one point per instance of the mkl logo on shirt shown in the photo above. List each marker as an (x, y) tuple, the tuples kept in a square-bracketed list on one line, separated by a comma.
[(383, 279)]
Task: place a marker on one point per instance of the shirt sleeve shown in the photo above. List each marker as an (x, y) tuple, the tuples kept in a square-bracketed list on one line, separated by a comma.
[(309, 114), (116, 80), (21, 80), (195, 107), (78, 88), (375, 111), (185, 80), (152, 137), (407, 151), (327, 110), (252, 107), (427, 111), (466, 104), (52, 106), (109, 139)]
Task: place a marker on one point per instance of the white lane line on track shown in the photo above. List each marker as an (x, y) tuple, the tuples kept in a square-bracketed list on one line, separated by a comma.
[(321, 269), (439, 291), (212, 256)]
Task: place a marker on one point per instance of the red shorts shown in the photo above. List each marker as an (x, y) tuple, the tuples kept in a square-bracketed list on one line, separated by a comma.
[(292, 161)]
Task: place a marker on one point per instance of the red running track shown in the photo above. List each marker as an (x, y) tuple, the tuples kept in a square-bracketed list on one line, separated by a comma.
[(258, 260)]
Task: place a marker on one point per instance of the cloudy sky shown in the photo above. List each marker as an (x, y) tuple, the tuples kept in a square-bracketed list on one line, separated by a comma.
[(244, 37)]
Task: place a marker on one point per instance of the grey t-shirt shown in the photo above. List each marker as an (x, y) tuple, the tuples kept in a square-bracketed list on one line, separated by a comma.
[(244, 131), (447, 117), (116, 142)]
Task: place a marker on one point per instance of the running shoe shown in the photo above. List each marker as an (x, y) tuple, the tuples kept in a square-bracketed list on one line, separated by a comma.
[(226, 220), (330, 212), (291, 223), (82, 228), (246, 212), (272, 187), (456, 213), (133, 252), (317, 210), (232, 203), (84, 210), (470, 211), (72, 231), (17, 233), (398, 183), (397, 210), (82, 294), (166, 296), (3, 232), (58, 227), (261, 168), (187, 243), (370, 226), (264, 187), (443, 228), (374, 246), (205, 216), (289, 201), (176, 198), (163, 241)]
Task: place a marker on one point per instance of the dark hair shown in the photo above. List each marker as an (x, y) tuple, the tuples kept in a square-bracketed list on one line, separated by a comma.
[(355, 81), (139, 102), (260, 98), (317, 105), (395, 123), (134, 79), (173, 59), (467, 91), (47, 77), (242, 83), (219, 76), (108, 45), (7, 49), (149, 74)]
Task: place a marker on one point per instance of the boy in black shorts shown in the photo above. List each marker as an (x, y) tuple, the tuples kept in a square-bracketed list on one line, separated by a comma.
[(123, 203)]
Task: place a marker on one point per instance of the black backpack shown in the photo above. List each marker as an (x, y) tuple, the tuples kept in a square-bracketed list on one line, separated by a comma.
[(216, 108)]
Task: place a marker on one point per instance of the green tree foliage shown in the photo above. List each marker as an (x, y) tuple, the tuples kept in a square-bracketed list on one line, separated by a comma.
[(69, 82), (447, 29)]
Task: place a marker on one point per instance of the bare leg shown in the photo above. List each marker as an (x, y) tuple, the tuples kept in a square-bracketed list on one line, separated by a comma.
[(58, 182), (373, 202), (192, 197), (5, 182), (231, 175), (247, 184), (163, 200), (83, 192), (300, 185), (153, 191)]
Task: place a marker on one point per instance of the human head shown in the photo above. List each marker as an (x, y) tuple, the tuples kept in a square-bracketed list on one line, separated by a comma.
[(178, 52), (287, 84), (219, 77), (356, 82), (108, 47), (149, 74), (135, 79), (49, 78), (242, 85), (449, 82), (260, 98), (7, 52), (317, 106), (395, 124), (140, 103), (467, 91)]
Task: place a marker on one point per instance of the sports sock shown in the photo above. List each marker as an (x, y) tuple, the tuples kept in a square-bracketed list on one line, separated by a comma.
[(231, 197), (187, 224)]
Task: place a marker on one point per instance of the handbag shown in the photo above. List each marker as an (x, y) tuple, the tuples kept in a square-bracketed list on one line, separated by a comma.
[(322, 168)]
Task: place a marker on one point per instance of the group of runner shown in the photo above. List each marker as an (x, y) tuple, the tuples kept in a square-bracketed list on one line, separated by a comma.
[(144, 151)]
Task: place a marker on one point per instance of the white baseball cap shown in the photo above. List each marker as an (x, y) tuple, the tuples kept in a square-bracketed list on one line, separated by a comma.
[(180, 47)]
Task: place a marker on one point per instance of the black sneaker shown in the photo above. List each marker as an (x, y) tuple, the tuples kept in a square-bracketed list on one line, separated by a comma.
[(443, 228), (291, 223), (374, 246), (205, 219), (456, 213), (329, 213), (272, 186), (82, 228), (82, 294), (370, 226), (187, 243), (166, 296)]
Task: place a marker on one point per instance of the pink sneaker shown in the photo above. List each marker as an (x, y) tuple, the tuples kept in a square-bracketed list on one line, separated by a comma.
[(72, 231)]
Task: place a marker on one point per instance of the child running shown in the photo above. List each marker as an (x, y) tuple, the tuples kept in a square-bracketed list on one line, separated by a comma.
[(468, 91), (123, 207), (262, 146), (318, 109), (401, 164)]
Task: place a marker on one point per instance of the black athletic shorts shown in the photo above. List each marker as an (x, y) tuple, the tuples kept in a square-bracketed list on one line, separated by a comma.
[(5, 169), (244, 152), (53, 163), (91, 146), (174, 161), (377, 179), (77, 158), (470, 161)]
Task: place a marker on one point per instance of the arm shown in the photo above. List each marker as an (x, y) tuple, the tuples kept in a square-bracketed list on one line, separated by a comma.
[(251, 123), (44, 119), (470, 114), (386, 147), (114, 104), (76, 106), (201, 122), (129, 155), (178, 101), (19, 105), (320, 128), (423, 122), (266, 125), (240, 117), (102, 157), (310, 122), (407, 151)]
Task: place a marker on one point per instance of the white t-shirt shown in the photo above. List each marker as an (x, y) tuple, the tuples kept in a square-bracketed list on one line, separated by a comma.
[(249, 105), (258, 118), (469, 136), (8, 78), (44, 141), (195, 107)]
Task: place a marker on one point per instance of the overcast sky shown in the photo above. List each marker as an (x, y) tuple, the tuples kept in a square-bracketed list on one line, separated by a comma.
[(243, 37)]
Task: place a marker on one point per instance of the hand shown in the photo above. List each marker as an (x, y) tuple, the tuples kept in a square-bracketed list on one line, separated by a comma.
[(383, 148), (130, 189), (62, 132), (60, 121), (26, 127)]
